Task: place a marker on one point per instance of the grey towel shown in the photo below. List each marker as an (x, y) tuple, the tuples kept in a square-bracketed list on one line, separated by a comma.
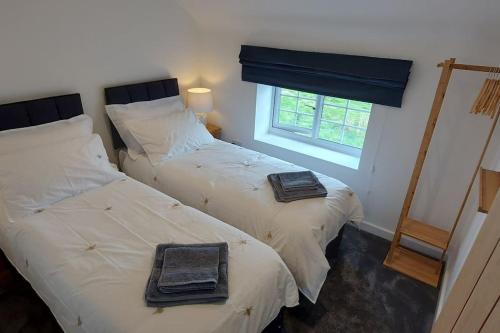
[(189, 268), (155, 298), (282, 196), (301, 180)]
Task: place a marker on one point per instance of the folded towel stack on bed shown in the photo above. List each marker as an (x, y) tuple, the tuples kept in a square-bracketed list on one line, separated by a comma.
[(188, 274), (291, 186)]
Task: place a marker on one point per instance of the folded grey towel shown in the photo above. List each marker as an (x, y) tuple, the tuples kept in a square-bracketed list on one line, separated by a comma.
[(301, 180), (189, 268), (155, 298), (282, 196)]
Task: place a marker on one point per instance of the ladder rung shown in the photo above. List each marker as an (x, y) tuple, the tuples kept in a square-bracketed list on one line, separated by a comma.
[(415, 265), (425, 233)]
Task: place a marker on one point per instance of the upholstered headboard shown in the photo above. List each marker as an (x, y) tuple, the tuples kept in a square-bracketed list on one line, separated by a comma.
[(39, 111), (138, 92)]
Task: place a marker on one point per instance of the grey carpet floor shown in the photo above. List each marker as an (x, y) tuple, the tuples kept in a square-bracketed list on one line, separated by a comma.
[(359, 295)]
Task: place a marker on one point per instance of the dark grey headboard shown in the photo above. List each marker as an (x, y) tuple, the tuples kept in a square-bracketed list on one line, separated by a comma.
[(138, 92), (39, 111)]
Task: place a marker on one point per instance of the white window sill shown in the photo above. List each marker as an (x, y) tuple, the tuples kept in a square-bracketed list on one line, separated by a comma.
[(328, 155)]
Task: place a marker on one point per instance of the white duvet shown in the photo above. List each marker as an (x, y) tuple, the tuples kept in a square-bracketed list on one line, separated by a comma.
[(230, 183), (89, 258)]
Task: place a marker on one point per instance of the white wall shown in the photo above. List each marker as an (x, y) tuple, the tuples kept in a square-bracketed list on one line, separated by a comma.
[(62, 46), (459, 135)]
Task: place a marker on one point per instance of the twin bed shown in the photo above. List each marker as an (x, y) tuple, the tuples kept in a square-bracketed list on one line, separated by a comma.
[(89, 255), (88, 251), (230, 183)]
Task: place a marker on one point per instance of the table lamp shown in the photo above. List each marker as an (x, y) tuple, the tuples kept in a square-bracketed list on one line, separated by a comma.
[(200, 101)]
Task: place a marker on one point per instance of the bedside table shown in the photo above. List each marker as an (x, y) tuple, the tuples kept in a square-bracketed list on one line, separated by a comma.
[(214, 130)]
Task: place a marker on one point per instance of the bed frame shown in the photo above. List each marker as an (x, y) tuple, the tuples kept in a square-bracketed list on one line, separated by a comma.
[(151, 90), (39, 111)]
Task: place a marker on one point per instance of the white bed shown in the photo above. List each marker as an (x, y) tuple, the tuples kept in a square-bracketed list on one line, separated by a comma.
[(229, 183), (84, 235)]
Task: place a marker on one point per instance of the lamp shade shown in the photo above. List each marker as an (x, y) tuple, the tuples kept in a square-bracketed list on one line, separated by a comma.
[(200, 100)]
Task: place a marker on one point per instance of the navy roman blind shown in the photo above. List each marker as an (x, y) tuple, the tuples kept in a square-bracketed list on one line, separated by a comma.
[(368, 79)]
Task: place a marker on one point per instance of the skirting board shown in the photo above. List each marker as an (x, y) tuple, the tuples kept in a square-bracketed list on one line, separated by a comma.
[(410, 243)]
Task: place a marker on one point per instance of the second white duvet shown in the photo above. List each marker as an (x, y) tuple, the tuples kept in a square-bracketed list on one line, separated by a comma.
[(229, 183)]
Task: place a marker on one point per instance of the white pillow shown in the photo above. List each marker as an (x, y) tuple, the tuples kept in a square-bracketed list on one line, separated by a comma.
[(168, 135), (34, 179), (140, 110), (144, 104), (58, 131)]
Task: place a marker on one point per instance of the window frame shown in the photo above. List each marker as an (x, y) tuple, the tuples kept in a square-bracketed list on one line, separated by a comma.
[(288, 131)]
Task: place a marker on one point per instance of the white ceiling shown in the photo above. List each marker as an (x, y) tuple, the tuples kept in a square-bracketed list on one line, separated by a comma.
[(457, 15)]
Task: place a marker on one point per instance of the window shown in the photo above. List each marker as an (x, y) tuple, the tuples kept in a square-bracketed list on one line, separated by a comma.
[(331, 122)]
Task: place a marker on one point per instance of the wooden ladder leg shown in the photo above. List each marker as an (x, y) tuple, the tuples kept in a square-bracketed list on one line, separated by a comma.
[(424, 146)]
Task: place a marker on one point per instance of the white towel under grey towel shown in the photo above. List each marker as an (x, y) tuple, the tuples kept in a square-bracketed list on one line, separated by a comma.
[(189, 268), (155, 298)]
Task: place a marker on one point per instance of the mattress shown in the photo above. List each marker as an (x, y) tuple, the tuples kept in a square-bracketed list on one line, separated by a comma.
[(89, 258), (230, 183)]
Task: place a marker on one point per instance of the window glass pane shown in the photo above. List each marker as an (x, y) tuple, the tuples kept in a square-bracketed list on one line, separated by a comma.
[(307, 95), (360, 106), (307, 106), (288, 103), (330, 131), (333, 113), (289, 92), (354, 137), (305, 121), (357, 118), (342, 122), (336, 101), (287, 118)]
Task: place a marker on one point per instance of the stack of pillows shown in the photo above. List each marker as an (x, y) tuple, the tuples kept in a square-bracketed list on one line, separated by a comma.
[(42, 165), (161, 128)]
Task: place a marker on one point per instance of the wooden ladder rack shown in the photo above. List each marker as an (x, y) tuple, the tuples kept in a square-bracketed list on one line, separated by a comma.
[(402, 259)]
